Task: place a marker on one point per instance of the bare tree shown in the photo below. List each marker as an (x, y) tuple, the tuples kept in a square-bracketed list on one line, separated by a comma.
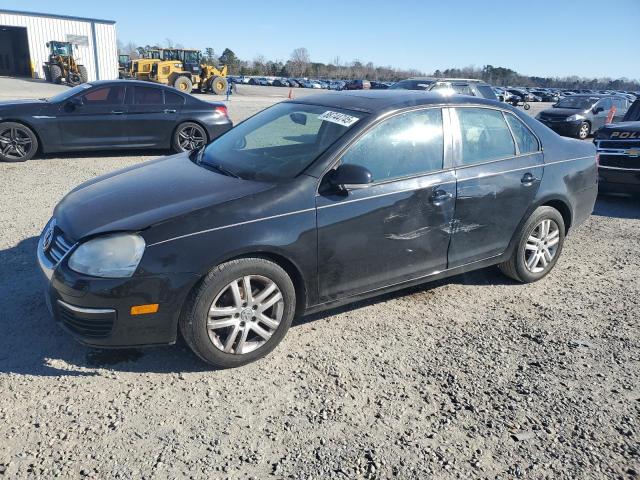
[(299, 63)]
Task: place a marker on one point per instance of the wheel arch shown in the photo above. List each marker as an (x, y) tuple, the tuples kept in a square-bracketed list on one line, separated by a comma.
[(557, 202), (190, 120), (41, 148)]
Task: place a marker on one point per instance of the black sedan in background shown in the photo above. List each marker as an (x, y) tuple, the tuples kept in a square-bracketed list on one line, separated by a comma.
[(109, 115), (307, 205)]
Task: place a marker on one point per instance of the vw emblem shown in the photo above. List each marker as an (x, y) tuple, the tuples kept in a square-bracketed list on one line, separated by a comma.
[(47, 238)]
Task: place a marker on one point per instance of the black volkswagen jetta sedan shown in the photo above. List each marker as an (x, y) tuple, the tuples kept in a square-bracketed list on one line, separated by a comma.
[(310, 204), (109, 115)]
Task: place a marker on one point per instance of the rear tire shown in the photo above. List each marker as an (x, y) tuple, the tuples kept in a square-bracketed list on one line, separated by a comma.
[(84, 76), (183, 84), (56, 74), (532, 240), (18, 143), (189, 136), (197, 318)]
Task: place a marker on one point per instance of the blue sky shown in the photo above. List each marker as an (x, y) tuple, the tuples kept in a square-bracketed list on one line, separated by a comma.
[(548, 38)]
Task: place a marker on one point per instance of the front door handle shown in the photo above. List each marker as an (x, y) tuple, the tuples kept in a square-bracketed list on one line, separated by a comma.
[(170, 111), (528, 179), (440, 196), (117, 112)]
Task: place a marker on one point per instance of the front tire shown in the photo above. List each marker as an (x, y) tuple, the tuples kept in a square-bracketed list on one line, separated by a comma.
[(84, 75), (539, 244), (56, 74), (218, 85), (584, 130), (18, 143), (239, 313)]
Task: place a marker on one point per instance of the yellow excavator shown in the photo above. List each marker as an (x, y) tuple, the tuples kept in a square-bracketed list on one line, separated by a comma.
[(185, 71), (62, 67)]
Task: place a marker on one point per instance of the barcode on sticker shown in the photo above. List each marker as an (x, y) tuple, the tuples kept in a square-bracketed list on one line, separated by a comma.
[(339, 118)]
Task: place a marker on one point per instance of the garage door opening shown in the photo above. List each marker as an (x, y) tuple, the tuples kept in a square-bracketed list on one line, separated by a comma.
[(14, 52)]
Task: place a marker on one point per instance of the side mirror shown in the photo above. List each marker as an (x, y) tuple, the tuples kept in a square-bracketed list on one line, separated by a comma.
[(350, 177), (597, 110), (72, 104), (299, 118)]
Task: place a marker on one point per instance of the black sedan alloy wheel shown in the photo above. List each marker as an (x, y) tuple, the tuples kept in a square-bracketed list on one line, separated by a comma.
[(189, 136), (17, 142)]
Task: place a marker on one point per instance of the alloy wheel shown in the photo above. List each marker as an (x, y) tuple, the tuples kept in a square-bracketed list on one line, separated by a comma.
[(15, 143), (541, 246), (191, 138), (584, 131), (245, 314)]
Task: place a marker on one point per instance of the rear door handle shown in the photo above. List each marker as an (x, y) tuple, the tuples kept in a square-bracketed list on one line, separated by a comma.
[(170, 111), (440, 196), (528, 179), (117, 112)]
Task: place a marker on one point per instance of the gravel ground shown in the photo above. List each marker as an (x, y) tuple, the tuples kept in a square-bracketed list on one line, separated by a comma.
[(471, 377)]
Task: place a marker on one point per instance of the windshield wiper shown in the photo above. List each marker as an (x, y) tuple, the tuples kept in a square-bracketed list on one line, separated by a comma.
[(221, 169)]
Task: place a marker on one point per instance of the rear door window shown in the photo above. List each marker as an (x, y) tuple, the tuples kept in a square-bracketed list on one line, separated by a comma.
[(148, 96), (171, 98), (485, 136)]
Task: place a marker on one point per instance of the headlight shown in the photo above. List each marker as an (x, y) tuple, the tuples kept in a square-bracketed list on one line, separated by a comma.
[(112, 256), (575, 117)]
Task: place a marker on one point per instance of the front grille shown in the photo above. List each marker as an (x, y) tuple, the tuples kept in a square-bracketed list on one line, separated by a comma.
[(620, 161), (618, 144), (94, 323), (59, 246)]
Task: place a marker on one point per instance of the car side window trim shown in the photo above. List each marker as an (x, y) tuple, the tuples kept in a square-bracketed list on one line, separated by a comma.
[(447, 150), (505, 113)]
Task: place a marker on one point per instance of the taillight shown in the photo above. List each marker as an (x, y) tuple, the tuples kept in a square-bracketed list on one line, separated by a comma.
[(222, 110)]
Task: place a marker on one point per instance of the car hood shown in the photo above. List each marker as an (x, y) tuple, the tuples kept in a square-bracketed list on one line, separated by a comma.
[(13, 103), (630, 129), (561, 112), (140, 196)]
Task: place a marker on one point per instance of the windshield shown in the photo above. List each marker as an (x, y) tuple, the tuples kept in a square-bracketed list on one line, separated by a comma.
[(191, 57), (61, 97), (278, 143), (579, 103), (63, 49), (412, 85)]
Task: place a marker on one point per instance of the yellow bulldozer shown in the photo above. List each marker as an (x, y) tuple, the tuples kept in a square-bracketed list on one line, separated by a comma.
[(62, 66), (185, 71)]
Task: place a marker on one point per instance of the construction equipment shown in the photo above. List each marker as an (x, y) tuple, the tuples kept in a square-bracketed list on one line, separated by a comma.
[(185, 71), (124, 66), (141, 67), (62, 66)]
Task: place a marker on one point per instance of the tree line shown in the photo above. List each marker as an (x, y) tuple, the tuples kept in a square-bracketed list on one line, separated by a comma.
[(300, 64)]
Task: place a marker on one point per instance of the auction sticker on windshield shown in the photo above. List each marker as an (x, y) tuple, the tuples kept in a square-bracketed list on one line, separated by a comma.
[(339, 118)]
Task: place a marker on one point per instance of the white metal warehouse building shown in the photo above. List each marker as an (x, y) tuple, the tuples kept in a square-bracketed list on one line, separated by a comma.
[(24, 37)]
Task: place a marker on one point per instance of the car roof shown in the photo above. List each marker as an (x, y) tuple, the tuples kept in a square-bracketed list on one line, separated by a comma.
[(372, 101), (132, 82), (448, 79)]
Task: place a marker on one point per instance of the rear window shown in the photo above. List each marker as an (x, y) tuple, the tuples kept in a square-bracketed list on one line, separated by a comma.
[(171, 98), (633, 115), (412, 85)]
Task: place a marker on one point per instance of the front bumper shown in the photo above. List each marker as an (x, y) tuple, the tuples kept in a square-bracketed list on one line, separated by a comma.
[(97, 311), (618, 180), (567, 129)]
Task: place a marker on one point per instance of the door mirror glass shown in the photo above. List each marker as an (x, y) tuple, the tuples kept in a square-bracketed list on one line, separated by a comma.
[(72, 104), (298, 118), (350, 176)]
